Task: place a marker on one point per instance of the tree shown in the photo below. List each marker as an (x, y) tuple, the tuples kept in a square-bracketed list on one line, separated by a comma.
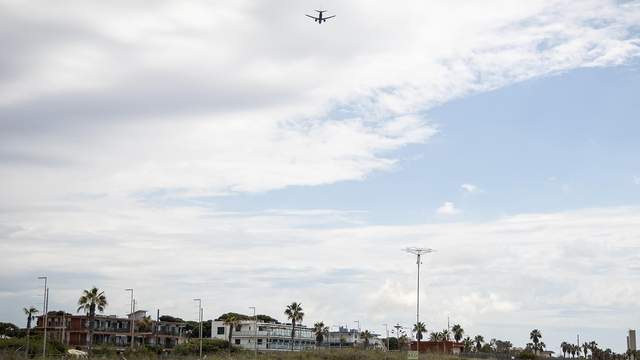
[(468, 344), (434, 336), (403, 341), (342, 341), (535, 337), (366, 335), (233, 322), (458, 332), (144, 325), (564, 346), (446, 335), (320, 330), (295, 314), (419, 328), (30, 312), (585, 347), (89, 302), (479, 339)]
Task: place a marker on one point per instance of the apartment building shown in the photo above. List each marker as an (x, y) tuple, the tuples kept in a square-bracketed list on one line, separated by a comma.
[(265, 335), (73, 330)]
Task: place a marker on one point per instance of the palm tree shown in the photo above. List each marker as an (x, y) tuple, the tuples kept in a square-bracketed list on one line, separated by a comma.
[(585, 347), (233, 321), (366, 335), (446, 335), (319, 329), (30, 312), (144, 325), (468, 344), (564, 346), (479, 339), (403, 341), (295, 314), (458, 332), (419, 328), (342, 341), (535, 337), (434, 336), (89, 302)]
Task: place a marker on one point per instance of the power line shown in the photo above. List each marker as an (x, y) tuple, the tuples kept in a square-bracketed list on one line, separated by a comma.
[(385, 300), (454, 304)]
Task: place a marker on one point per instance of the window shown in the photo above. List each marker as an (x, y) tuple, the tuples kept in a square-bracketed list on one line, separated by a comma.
[(237, 341), (259, 341), (239, 328), (220, 330)]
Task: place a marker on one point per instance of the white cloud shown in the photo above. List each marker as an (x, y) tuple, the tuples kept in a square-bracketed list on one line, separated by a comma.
[(636, 179), (470, 189), (162, 86), (448, 208)]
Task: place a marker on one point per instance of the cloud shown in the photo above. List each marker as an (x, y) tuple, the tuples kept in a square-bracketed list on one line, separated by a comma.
[(448, 208), (636, 179), (470, 189), (140, 95)]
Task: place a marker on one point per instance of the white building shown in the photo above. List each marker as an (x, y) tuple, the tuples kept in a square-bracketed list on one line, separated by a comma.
[(352, 337), (267, 336)]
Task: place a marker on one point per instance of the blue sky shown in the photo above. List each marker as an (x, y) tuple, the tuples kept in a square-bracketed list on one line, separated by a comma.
[(242, 154), (560, 142)]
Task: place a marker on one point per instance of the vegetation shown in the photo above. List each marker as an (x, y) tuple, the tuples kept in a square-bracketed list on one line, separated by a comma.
[(458, 332), (30, 312), (320, 330), (419, 329), (232, 322), (16, 346), (366, 335), (89, 302), (535, 337), (209, 347), (295, 314)]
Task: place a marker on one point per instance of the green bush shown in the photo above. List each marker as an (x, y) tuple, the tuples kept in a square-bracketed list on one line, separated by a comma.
[(54, 347), (209, 346), (527, 355)]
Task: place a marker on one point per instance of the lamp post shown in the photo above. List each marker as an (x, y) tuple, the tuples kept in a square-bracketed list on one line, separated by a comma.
[(200, 321), (418, 251), (386, 331), (255, 329), (132, 322), (45, 306)]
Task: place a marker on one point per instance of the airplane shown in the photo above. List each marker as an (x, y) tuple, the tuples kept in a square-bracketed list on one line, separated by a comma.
[(320, 19)]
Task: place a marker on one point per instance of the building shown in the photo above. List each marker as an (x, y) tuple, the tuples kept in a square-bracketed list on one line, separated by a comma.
[(266, 336), (352, 337), (449, 347), (73, 330)]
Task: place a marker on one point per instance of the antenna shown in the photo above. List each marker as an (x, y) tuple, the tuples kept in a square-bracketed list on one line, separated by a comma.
[(418, 251)]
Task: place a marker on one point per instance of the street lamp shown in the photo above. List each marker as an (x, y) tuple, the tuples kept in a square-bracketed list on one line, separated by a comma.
[(200, 321), (418, 251), (387, 333), (45, 306), (255, 329), (132, 322)]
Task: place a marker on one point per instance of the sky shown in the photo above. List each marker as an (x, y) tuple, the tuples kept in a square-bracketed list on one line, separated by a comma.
[(240, 153)]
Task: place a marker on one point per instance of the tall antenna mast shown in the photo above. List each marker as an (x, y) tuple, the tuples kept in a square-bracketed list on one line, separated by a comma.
[(418, 251)]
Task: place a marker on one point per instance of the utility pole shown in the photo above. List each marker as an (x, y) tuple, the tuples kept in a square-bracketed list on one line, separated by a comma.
[(200, 321), (132, 322), (387, 333), (255, 329), (45, 310), (157, 329), (418, 252)]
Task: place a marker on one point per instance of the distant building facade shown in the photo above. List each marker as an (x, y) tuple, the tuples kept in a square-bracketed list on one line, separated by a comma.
[(73, 331), (267, 336)]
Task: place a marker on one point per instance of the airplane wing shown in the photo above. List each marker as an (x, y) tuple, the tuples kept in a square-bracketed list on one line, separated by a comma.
[(313, 17), (328, 17)]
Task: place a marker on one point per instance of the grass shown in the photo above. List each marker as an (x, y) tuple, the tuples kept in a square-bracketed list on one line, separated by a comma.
[(346, 354)]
